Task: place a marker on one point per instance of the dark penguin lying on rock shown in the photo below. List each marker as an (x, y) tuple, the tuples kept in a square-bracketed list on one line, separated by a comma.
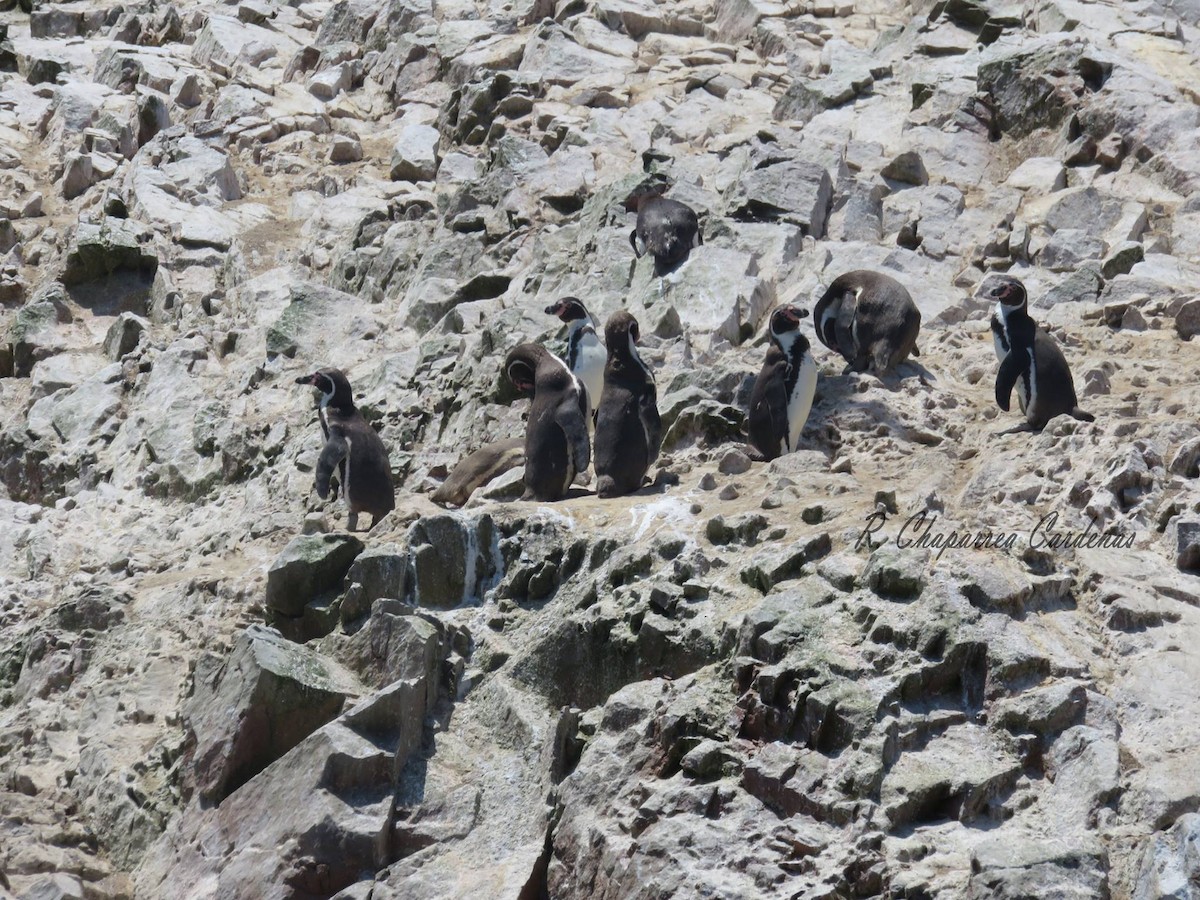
[(352, 448), (667, 229)]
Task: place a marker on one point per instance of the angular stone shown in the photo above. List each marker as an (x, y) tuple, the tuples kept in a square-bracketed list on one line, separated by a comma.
[(415, 155), (112, 249), (123, 335), (77, 175), (1068, 247), (250, 709), (1039, 174), (907, 168), (1183, 539), (309, 566), (794, 191), (892, 572), (1187, 320), (1170, 863), (345, 149)]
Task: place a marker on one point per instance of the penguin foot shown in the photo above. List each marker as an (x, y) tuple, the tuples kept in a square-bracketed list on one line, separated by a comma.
[(352, 522), (1017, 429)]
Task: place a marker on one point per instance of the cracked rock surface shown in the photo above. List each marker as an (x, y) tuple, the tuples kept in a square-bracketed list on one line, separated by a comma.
[(751, 680)]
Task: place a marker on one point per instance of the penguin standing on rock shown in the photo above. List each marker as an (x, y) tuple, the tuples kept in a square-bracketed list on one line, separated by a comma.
[(352, 448), (556, 436), (628, 427), (870, 319), (783, 392), (667, 229), (586, 357), (1031, 361)]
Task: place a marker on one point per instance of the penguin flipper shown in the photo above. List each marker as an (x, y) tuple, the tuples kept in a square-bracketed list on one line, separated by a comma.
[(651, 424), (570, 416), (633, 243), (776, 407), (843, 328), (1014, 364), (336, 450)]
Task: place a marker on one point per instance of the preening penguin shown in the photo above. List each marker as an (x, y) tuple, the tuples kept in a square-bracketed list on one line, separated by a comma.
[(556, 436), (870, 319), (783, 392), (586, 356), (667, 229), (352, 448), (1031, 361), (628, 427)]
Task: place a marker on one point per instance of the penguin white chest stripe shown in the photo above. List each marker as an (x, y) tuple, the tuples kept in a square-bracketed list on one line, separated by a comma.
[(800, 385), (587, 357), (1001, 340), (349, 456)]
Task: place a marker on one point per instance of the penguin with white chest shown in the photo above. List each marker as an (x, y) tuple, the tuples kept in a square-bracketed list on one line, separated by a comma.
[(783, 392), (870, 319), (628, 427), (1030, 361), (557, 447), (586, 356), (352, 448)]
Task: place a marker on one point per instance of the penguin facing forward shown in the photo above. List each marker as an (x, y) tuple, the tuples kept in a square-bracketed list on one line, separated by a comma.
[(783, 392), (556, 436), (586, 356), (1030, 361), (352, 448), (667, 229), (628, 427), (870, 319)]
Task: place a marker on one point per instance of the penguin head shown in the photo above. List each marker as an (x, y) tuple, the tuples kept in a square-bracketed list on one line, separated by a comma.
[(1010, 292), (650, 187), (786, 319), (621, 333), (521, 366), (333, 385), (569, 309)]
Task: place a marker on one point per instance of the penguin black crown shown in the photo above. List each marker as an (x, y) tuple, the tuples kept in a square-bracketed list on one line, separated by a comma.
[(352, 448)]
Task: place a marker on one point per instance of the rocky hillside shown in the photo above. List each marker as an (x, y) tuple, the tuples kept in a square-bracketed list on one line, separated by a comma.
[(718, 688)]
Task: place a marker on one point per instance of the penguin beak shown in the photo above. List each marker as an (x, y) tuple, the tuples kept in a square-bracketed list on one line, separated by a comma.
[(554, 309), (310, 380)]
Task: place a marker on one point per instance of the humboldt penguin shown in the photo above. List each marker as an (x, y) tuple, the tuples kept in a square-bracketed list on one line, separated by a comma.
[(1031, 361), (352, 448), (667, 229), (783, 392), (473, 471), (556, 436), (585, 354), (628, 428), (870, 319)]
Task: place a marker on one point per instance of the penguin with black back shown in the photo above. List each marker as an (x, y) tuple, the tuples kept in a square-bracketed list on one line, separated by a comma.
[(557, 447), (1030, 361), (667, 229), (586, 356), (783, 392), (352, 449), (870, 319), (628, 427)]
